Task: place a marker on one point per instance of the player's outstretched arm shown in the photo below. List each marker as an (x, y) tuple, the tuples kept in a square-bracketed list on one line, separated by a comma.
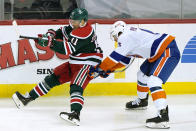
[(60, 33), (58, 46), (109, 64)]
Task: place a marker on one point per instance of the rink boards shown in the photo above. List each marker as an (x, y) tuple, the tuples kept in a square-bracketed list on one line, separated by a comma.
[(100, 89), (22, 64)]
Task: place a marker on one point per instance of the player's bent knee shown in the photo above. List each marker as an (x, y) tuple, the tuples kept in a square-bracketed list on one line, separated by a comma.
[(76, 88), (51, 80), (141, 77), (140, 74), (154, 81)]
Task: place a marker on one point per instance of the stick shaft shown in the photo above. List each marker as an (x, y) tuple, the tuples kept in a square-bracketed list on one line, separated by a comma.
[(28, 37)]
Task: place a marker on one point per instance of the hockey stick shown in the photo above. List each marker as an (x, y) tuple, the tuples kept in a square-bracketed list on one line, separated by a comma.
[(130, 63), (98, 73), (117, 71), (15, 26), (28, 37)]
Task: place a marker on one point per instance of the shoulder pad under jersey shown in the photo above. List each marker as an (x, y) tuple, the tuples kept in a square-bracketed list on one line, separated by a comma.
[(83, 33)]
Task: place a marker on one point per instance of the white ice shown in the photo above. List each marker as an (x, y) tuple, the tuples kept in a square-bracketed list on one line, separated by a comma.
[(101, 113)]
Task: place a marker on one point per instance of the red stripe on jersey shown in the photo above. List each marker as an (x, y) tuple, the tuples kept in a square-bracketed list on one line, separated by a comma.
[(83, 75), (82, 32), (90, 54), (77, 100), (39, 91), (68, 49)]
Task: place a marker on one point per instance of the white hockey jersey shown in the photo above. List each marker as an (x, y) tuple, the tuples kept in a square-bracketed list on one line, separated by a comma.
[(143, 43), (137, 42)]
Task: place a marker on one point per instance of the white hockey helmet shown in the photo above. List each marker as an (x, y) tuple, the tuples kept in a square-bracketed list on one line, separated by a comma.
[(117, 27)]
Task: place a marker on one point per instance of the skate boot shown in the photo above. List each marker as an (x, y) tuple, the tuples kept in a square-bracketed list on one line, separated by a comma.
[(73, 117), (138, 104), (159, 122), (21, 100)]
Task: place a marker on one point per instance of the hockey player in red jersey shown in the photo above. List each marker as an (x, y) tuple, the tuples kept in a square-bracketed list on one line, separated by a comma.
[(162, 56), (79, 43)]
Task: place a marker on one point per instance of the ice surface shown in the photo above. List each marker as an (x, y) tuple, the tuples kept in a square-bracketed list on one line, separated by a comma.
[(101, 113)]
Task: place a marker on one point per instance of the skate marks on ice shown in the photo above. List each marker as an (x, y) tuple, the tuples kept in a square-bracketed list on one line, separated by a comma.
[(172, 125), (99, 114), (182, 113)]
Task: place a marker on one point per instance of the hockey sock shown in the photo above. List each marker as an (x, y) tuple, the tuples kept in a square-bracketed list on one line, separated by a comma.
[(157, 93), (44, 87), (142, 90), (39, 90), (159, 97), (77, 99)]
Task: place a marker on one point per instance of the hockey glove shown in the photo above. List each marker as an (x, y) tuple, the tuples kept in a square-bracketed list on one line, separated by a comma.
[(51, 32), (44, 40), (96, 71), (104, 74), (93, 72)]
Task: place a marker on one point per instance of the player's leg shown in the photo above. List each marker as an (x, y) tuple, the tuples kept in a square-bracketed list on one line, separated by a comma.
[(44, 86), (142, 89), (159, 98), (78, 84), (159, 74)]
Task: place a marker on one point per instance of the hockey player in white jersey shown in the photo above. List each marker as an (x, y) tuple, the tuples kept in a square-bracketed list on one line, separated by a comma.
[(162, 56)]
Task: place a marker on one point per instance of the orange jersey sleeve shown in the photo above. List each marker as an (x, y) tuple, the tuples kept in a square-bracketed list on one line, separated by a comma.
[(108, 64), (114, 61)]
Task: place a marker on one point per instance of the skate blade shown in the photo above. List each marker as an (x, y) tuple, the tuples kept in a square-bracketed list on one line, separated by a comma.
[(74, 121), (162, 125), (139, 108), (17, 102)]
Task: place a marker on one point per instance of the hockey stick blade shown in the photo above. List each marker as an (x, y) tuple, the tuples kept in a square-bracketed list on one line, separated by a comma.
[(28, 37), (15, 26)]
